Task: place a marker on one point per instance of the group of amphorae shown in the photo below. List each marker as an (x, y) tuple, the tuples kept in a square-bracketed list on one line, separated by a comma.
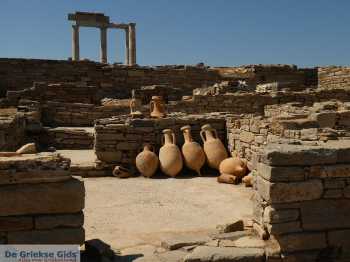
[(171, 159)]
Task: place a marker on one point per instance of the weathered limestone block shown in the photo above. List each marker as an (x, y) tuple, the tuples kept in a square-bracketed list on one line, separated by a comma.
[(325, 119), (16, 223), (247, 137), (334, 183), (283, 228), (53, 221), (325, 214), (333, 193), (340, 238), (272, 215), (302, 241), (221, 254), (50, 237), (180, 241), (8, 177), (298, 155), (289, 192), (281, 174), (109, 156), (44, 198)]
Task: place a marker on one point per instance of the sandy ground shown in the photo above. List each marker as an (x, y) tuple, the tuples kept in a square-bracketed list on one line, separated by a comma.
[(138, 211)]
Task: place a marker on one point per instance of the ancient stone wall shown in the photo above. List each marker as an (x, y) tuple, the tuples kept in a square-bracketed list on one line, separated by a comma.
[(302, 199), (334, 77), (40, 203), (118, 80), (76, 114), (252, 103), (287, 123), (119, 142), (12, 129), (111, 80)]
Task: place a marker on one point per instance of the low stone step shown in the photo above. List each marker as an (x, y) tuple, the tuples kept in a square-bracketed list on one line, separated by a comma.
[(227, 254), (68, 137)]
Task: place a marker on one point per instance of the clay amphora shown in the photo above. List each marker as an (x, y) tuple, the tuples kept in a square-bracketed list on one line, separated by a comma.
[(213, 147), (134, 106), (234, 166), (228, 179), (169, 155), (192, 152), (248, 180), (147, 161), (157, 107)]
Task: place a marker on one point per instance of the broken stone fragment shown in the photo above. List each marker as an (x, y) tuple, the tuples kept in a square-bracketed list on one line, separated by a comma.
[(231, 227), (27, 149), (180, 241)]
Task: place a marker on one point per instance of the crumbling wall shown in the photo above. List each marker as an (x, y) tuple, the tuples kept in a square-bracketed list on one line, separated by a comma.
[(119, 142), (76, 114), (252, 103), (12, 129), (302, 199), (334, 77), (40, 203)]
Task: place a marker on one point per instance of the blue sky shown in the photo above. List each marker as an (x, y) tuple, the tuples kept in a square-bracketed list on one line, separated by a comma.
[(216, 32)]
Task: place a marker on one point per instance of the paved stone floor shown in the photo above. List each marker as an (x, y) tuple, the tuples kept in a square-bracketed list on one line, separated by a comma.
[(81, 157), (133, 213)]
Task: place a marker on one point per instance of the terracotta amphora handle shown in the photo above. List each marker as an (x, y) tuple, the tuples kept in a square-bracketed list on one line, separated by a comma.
[(151, 106), (215, 133), (202, 134), (174, 138)]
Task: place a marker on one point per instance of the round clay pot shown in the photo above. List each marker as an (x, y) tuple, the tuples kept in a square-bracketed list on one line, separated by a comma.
[(157, 107), (147, 161), (169, 155), (213, 147), (192, 152), (233, 166)]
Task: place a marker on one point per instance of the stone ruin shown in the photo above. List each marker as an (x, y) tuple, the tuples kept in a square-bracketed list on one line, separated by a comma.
[(291, 125)]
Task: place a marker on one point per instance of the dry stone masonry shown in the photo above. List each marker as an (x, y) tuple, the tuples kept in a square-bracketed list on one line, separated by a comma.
[(40, 202)]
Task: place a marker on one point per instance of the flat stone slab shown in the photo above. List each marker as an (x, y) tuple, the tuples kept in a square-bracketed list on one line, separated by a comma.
[(182, 240), (225, 254)]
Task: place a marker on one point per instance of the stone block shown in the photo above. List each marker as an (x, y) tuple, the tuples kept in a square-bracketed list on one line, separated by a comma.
[(333, 193), (298, 155), (221, 254), (109, 156), (231, 227), (325, 119), (302, 241), (325, 214), (246, 137), (334, 183), (284, 228), (289, 192), (8, 177), (180, 241), (46, 198), (57, 236), (16, 223), (281, 174), (53, 221), (272, 215), (346, 192), (340, 238)]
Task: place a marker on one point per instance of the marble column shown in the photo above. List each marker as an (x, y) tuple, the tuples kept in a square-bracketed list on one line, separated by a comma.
[(75, 43), (103, 51), (132, 43), (127, 60)]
